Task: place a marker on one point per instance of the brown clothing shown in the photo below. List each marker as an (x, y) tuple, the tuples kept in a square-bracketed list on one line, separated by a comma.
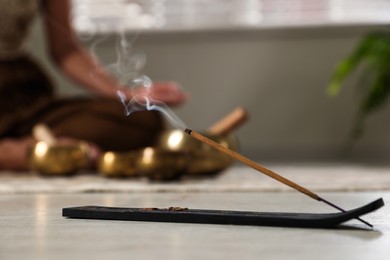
[(27, 98)]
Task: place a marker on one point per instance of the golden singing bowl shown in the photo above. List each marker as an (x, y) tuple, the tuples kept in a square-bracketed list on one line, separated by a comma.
[(156, 164), (162, 165), (58, 159), (204, 159), (118, 164)]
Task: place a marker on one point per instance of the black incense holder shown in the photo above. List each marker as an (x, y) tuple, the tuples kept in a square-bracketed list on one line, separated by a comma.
[(184, 215)]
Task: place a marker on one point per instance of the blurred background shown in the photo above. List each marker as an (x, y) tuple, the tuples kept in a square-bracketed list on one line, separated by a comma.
[(273, 57)]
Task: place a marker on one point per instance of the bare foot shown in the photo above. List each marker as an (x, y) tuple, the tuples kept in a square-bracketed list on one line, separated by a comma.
[(13, 153)]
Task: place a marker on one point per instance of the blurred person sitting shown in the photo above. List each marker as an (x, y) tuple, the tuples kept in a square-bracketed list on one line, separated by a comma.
[(27, 96)]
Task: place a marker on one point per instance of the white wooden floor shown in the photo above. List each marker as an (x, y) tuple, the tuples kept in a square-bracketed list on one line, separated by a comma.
[(31, 227)]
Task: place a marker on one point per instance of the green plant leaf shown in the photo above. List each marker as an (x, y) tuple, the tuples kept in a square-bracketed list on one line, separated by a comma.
[(343, 69), (349, 64), (374, 52)]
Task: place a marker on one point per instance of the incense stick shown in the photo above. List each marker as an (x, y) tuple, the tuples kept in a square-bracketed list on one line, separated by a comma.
[(264, 170)]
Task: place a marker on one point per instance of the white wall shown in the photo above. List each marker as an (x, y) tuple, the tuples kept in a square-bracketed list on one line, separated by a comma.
[(280, 76)]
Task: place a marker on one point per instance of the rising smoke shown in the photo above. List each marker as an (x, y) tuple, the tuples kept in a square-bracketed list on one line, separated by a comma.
[(127, 69)]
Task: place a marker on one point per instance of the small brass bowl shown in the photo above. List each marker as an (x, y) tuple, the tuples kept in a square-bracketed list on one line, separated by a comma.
[(162, 165), (118, 164), (58, 159), (156, 164), (204, 160)]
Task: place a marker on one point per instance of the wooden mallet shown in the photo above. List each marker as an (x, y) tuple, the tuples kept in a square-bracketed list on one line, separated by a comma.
[(43, 133), (230, 122)]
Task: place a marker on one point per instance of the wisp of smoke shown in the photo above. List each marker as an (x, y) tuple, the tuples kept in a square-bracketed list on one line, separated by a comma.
[(127, 69), (141, 102)]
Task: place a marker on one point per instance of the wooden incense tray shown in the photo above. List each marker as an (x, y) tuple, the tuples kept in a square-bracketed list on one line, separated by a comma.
[(184, 215)]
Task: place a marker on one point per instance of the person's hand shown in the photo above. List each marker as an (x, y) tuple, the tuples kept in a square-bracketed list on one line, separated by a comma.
[(168, 92)]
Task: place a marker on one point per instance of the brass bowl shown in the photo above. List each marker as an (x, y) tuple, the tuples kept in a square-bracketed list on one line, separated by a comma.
[(58, 159), (204, 160), (162, 165), (118, 164), (156, 164)]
